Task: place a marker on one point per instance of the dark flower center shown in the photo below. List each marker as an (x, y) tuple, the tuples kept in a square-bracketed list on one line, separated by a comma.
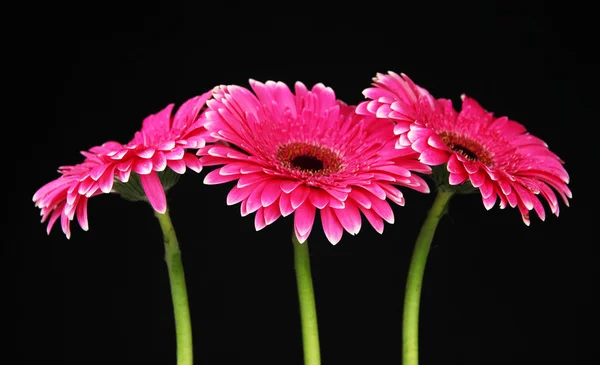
[(467, 147), (310, 163), (308, 158)]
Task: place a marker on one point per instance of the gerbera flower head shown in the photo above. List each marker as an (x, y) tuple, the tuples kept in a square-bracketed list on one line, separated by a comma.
[(163, 141), (496, 155), (303, 151)]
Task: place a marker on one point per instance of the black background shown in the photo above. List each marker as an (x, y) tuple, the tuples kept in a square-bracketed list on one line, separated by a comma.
[(495, 290)]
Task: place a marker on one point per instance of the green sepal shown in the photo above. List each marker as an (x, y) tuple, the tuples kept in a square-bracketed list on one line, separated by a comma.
[(132, 190)]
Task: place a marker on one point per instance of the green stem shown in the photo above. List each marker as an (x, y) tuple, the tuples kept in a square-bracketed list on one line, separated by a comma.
[(414, 281), (308, 311), (183, 326)]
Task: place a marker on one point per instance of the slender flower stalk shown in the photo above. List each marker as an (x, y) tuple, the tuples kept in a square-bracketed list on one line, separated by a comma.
[(179, 297), (308, 310), (414, 281)]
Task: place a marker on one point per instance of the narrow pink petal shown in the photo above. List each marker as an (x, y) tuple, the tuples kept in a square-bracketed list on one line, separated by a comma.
[(488, 202), (436, 141), (237, 194), (338, 194), (192, 162), (259, 220), (349, 217), (524, 195), (373, 218), (471, 167), (487, 188), (271, 213), (539, 208), (285, 205), (301, 238), (98, 171), (214, 177), (142, 166), (457, 179), (401, 127), (319, 198), (251, 179), (83, 187), (123, 175), (299, 195), (82, 216), (336, 203), (65, 224), (177, 165), (331, 226), (374, 189), (304, 218), (271, 192), (289, 185), (253, 202), (433, 156), (53, 217), (106, 180), (166, 145), (382, 207), (146, 153), (478, 178), (361, 198), (455, 166), (159, 161), (154, 191), (175, 154)]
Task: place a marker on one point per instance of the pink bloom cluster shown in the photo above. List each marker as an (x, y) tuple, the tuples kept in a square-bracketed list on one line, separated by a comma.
[(304, 152)]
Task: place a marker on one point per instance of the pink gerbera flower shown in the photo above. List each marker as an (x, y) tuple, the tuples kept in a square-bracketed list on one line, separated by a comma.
[(306, 151), (496, 155), (162, 142)]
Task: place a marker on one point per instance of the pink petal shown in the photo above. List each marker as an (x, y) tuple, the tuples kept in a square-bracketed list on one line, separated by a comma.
[(478, 178), (177, 165), (237, 194), (432, 156), (259, 220), (382, 207), (253, 202), (271, 192), (289, 185), (285, 205), (214, 177), (299, 195), (361, 198), (488, 202), (159, 161), (192, 162), (107, 179), (319, 198), (142, 167), (154, 191), (373, 218), (271, 213), (457, 179), (331, 226), (349, 217), (304, 218)]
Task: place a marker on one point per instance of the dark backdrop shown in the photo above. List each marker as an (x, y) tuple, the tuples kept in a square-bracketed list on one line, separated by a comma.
[(495, 291)]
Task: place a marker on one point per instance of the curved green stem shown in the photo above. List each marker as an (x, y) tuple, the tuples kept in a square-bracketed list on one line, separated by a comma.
[(308, 311), (414, 281), (183, 326)]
